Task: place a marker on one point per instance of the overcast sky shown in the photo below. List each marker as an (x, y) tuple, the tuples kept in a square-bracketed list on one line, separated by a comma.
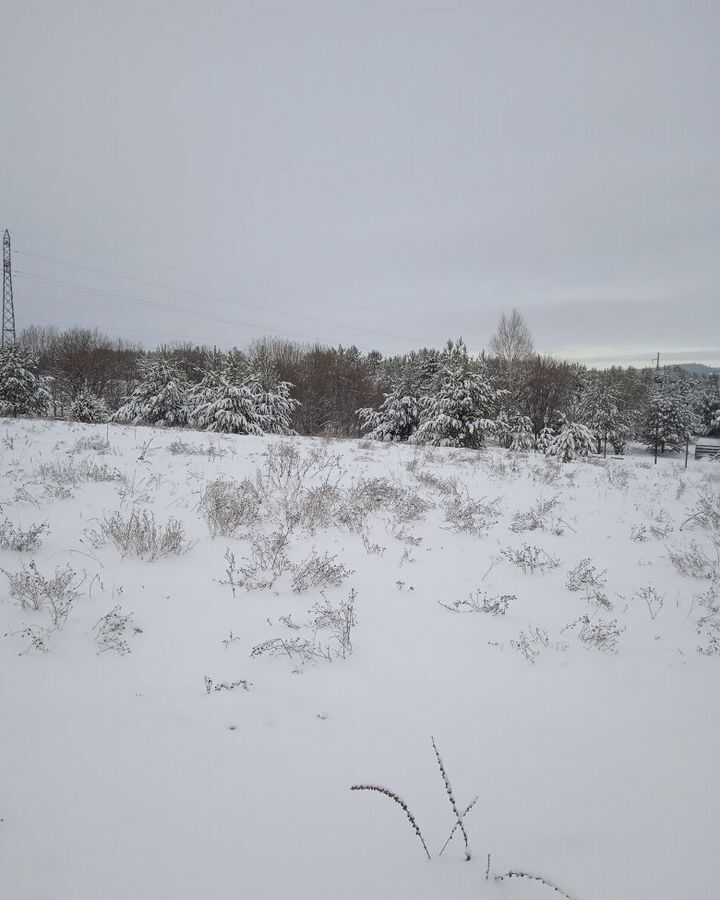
[(388, 174)]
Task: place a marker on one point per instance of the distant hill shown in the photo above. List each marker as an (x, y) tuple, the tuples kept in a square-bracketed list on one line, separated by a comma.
[(699, 369)]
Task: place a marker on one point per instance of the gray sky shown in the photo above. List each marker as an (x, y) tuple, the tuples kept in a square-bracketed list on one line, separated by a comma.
[(386, 173)]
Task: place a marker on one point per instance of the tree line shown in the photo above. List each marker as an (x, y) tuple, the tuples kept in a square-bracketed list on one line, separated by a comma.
[(511, 395)]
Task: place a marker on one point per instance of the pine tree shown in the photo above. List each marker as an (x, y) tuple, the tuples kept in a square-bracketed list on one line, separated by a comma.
[(22, 391), (573, 440), (545, 438), (233, 409), (521, 433), (204, 391), (462, 412), (273, 402), (601, 411), (514, 432), (159, 399), (87, 407), (668, 422), (396, 419)]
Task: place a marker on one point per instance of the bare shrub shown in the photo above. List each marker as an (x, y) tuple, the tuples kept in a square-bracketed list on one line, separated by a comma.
[(600, 634), (69, 474), (659, 525), (373, 495), (458, 816), (12, 537), (503, 468), (586, 578), (319, 507), (35, 592), (443, 486), (319, 571), (339, 620), (92, 444), (261, 569), (550, 471), (299, 649), (706, 513), (530, 559), (694, 562), (229, 507), (618, 476), (536, 518), (708, 625), (481, 602), (211, 685), (470, 515), (530, 643), (139, 535), (528, 876), (386, 792), (183, 448), (652, 599), (111, 631)]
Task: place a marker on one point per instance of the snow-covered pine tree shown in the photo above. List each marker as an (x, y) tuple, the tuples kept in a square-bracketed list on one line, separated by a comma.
[(513, 431), (668, 422), (521, 433), (160, 398), (273, 402), (396, 419), (503, 430), (573, 440), (462, 412), (545, 438), (715, 420), (232, 409), (203, 392), (87, 407), (600, 410), (22, 391)]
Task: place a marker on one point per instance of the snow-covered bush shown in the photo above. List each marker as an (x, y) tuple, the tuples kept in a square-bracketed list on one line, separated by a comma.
[(22, 392), (572, 441), (396, 419), (159, 399), (461, 413), (274, 403), (87, 407), (231, 409), (545, 438), (514, 432), (601, 410), (250, 403)]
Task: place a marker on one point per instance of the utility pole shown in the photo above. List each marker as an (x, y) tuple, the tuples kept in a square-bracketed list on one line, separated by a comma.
[(7, 335), (657, 412)]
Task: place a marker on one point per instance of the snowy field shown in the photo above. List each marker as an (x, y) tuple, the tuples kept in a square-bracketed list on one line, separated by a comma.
[(190, 726)]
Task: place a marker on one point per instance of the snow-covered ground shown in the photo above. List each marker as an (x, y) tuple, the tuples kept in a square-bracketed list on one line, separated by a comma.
[(585, 721)]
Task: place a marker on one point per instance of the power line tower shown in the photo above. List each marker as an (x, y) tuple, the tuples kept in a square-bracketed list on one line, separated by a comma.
[(7, 336)]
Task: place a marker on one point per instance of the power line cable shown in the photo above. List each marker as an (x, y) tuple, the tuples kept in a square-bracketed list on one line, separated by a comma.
[(218, 299), (156, 304)]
